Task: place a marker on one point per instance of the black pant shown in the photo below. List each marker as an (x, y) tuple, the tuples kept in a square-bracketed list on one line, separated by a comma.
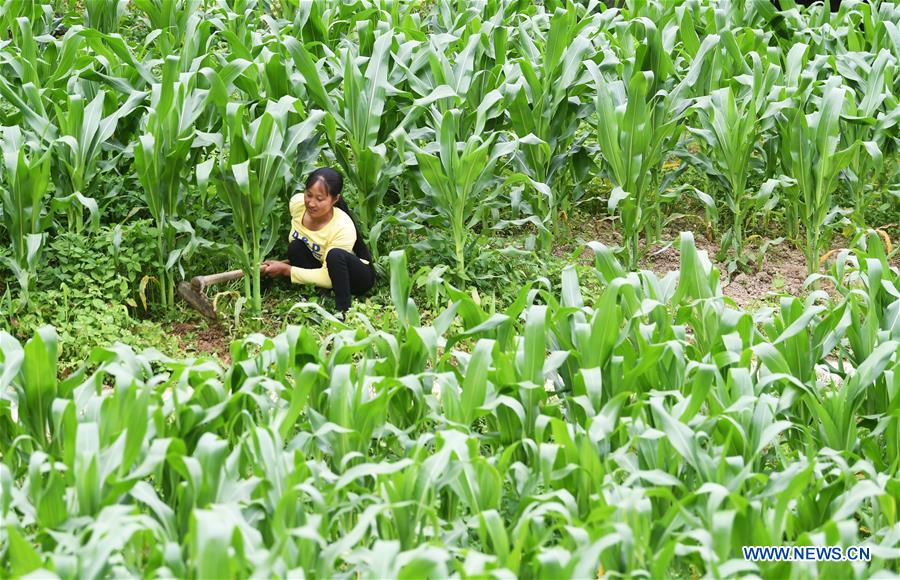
[(347, 272)]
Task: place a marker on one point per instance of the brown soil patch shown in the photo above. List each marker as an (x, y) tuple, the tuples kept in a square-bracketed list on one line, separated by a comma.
[(782, 271), (204, 340), (586, 230)]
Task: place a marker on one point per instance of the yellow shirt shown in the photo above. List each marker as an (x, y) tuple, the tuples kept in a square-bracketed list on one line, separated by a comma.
[(338, 233)]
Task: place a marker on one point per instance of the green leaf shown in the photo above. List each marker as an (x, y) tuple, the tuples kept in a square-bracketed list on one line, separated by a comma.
[(23, 558)]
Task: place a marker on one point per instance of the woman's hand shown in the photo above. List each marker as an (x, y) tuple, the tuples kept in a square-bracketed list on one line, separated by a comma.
[(275, 268)]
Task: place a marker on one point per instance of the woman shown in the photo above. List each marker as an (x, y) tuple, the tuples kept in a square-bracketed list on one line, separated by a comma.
[(325, 247)]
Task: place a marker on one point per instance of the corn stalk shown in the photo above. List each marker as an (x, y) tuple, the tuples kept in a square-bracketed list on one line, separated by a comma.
[(263, 156), (637, 122), (24, 188), (811, 157), (161, 158)]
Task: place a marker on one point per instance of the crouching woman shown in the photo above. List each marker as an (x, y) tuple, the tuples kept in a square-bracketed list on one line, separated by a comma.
[(325, 247)]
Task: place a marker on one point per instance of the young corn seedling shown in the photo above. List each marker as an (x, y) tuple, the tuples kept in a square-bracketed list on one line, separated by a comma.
[(160, 157), (24, 198), (637, 123), (83, 131), (730, 125), (545, 112), (810, 156), (78, 135), (866, 123), (456, 180), (865, 279)]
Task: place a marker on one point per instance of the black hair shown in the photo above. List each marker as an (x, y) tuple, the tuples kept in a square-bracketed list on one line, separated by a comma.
[(333, 183)]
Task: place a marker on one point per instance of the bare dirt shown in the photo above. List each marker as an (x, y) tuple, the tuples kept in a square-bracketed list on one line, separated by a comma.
[(204, 339), (782, 270)]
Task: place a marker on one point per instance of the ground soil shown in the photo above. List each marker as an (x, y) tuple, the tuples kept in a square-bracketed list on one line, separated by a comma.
[(204, 339), (782, 271)]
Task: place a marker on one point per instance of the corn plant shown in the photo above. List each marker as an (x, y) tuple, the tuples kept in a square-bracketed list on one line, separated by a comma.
[(260, 165), (10, 13), (730, 127), (810, 156), (161, 158), (322, 26), (38, 14), (117, 65), (863, 121), (78, 134), (462, 69), (863, 276), (45, 65), (545, 114), (25, 180), (169, 21), (456, 180), (82, 132), (637, 122), (236, 21), (104, 15)]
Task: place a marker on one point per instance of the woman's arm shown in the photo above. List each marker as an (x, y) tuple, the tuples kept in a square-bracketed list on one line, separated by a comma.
[(316, 276)]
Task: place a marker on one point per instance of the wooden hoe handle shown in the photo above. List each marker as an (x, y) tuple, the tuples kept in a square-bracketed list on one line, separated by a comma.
[(198, 283)]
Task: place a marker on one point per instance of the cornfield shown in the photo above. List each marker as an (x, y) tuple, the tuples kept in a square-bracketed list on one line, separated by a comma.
[(612, 422)]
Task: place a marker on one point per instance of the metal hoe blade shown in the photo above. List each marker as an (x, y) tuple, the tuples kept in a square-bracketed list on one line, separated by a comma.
[(197, 300)]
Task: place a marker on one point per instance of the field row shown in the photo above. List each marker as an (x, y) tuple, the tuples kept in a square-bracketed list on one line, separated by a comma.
[(451, 121), (655, 431)]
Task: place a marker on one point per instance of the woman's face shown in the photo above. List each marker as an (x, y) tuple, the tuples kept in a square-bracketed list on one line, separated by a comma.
[(317, 200)]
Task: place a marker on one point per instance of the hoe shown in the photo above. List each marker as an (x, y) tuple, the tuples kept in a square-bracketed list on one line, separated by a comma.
[(194, 294)]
